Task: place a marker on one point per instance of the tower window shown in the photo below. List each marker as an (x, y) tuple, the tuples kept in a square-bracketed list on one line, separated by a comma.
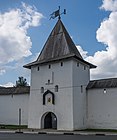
[(61, 64), (84, 67), (81, 89), (48, 81), (12, 95), (49, 66), (42, 89), (56, 88), (38, 68), (78, 64)]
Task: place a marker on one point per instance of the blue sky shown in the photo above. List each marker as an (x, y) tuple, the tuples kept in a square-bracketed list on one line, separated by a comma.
[(83, 19)]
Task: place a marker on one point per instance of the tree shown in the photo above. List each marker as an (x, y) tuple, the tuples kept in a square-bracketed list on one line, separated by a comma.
[(21, 82)]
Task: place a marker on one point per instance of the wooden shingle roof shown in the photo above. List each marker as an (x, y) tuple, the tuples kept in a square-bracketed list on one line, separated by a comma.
[(58, 46), (14, 90), (103, 83)]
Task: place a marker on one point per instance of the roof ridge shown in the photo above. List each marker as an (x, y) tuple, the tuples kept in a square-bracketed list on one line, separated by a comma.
[(77, 53)]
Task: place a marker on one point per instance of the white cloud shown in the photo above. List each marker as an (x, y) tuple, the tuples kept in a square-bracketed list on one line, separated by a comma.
[(106, 60), (9, 84), (14, 41), (15, 44), (2, 71), (109, 5), (82, 52)]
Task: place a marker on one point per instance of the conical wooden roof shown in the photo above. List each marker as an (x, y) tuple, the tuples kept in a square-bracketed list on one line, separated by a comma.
[(58, 46)]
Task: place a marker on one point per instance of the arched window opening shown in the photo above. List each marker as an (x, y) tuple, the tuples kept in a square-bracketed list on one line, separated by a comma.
[(42, 89), (56, 88)]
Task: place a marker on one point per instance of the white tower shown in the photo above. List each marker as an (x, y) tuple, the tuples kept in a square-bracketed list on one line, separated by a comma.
[(59, 78)]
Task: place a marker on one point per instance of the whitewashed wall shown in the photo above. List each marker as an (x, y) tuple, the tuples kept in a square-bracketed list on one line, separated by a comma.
[(70, 103), (63, 107), (102, 108), (81, 77), (9, 109)]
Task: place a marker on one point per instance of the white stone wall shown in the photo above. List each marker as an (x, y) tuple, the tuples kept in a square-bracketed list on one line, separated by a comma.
[(9, 109), (63, 108), (81, 78), (102, 108)]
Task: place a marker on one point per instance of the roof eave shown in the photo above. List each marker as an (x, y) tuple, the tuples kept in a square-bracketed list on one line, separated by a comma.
[(28, 66), (58, 59), (47, 61), (82, 60)]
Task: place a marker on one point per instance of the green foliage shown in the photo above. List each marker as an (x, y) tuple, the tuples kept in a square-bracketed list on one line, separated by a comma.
[(21, 82), (15, 127)]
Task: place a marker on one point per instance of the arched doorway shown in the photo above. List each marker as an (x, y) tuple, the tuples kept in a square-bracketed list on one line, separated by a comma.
[(49, 121)]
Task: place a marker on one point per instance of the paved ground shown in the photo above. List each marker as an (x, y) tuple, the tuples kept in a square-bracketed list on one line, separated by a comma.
[(36, 131), (11, 136)]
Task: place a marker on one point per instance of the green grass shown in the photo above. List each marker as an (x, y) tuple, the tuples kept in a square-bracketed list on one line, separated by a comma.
[(3, 126)]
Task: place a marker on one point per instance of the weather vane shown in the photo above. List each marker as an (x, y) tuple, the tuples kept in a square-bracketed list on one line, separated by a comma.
[(57, 14)]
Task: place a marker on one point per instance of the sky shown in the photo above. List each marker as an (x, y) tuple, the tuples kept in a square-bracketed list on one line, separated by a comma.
[(25, 27)]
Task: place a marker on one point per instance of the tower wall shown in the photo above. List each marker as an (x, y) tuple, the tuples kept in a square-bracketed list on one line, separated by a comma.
[(60, 74), (80, 77), (71, 76)]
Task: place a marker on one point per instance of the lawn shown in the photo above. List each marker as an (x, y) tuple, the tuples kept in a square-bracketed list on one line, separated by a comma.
[(3, 126)]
